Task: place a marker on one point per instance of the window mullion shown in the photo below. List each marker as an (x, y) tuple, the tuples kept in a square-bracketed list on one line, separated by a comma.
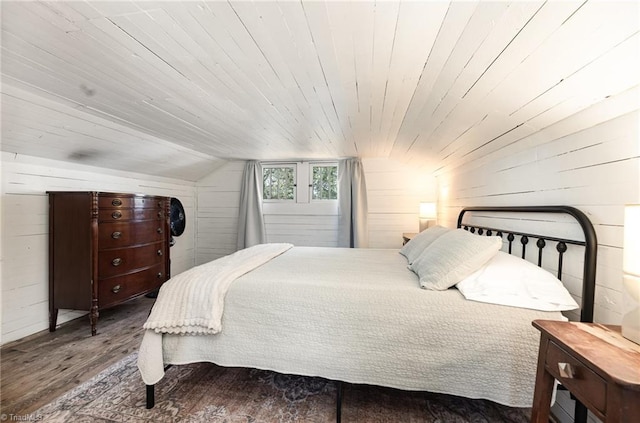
[(302, 175)]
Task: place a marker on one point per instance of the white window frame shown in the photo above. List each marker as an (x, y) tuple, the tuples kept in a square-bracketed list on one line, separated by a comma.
[(303, 203), (320, 164), (295, 181)]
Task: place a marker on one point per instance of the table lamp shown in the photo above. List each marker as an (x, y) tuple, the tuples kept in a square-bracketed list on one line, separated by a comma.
[(427, 215)]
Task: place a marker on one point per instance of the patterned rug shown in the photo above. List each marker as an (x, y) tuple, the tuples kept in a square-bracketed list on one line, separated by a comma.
[(205, 392)]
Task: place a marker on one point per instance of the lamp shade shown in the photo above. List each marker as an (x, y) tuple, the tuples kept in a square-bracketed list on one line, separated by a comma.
[(427, 210), (631, 251), (427, 215)]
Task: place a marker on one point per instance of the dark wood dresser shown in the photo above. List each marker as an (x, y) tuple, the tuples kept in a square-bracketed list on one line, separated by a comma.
[(104, 249)]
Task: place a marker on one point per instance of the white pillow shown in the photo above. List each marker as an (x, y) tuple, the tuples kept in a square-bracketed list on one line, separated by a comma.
[(510, 280), (452, 257), (412, 249)]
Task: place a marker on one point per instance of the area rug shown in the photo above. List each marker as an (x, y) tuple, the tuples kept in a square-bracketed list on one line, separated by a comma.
[(205, 392)]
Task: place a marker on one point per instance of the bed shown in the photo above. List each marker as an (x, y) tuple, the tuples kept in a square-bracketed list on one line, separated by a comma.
[(359, 315)]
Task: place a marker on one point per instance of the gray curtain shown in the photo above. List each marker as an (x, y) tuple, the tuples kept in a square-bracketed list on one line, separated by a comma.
[(352, 197), (250, 220)]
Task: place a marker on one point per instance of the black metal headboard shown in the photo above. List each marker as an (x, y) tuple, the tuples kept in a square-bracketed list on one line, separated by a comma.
[(590, 244)]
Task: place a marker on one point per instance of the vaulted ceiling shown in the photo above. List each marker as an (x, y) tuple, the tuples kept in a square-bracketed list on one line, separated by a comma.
[(171, 88)]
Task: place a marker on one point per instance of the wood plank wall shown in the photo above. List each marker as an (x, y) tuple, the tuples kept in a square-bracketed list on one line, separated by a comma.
[(590, 160), (25, 180), (394, 193), (218, 198)]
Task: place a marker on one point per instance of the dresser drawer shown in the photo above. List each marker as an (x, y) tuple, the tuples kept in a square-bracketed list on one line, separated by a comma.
[(129, 201), (585, 384), (124, 260), (117, 289), (129, 214), (124, 234)]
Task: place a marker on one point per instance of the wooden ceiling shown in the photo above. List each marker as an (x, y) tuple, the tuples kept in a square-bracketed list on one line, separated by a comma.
[(170, 88)]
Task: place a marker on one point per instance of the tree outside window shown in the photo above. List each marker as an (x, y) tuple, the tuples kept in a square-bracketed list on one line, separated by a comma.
[(324, 184), (278, 183), (301, 182)]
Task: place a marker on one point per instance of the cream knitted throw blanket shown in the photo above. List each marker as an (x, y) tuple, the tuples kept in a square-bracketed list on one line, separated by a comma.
[(192, 302)]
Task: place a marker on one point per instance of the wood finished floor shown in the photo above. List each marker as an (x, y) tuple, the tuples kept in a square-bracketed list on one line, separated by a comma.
[(38, 369)]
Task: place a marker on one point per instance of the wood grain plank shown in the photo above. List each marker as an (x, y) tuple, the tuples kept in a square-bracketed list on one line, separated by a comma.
[(414, 40), (514, 140), (314, 21), (38, 369), (444, 96), (450, 28), (30, 121), (72, 40)]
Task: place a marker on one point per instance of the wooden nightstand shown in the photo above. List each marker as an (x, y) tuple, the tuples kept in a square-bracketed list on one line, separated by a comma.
[(595, 363), (407, 236)]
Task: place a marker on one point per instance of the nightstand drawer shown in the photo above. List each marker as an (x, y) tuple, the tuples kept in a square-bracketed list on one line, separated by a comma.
[(590, 388)]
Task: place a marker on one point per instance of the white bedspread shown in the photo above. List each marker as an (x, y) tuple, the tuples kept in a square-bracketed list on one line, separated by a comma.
[(193, 301), (359, 315)]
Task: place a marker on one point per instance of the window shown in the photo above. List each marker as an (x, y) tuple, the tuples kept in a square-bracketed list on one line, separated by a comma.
[(301, 182), (278, 182), (324, 182)]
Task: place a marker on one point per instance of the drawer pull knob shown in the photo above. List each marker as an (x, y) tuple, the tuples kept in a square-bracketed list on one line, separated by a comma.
[(159, 275), (159, 252), (566, 370), (116, 215), (159, 214), (116, 202), (116, 261), (159, 230), (116, 235), (116, 289)]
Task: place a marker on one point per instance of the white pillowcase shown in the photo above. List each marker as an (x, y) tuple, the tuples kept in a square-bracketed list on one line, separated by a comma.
[(412, 249), (512, 281), (452, 257)]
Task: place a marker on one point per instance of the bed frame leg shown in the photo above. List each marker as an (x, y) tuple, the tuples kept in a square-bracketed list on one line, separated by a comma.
[(339, 401), (151, 400)]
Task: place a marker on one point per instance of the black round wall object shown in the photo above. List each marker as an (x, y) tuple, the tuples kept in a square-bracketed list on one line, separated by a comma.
[(177, 217)]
